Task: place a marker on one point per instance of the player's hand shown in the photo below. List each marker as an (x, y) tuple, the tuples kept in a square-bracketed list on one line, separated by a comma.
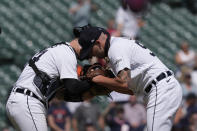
[(97, 78)]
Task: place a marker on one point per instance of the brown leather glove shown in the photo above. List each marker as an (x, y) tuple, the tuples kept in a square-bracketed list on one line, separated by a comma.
[(89, 72)]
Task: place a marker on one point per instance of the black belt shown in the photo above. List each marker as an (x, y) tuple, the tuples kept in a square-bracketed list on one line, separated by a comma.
[(29, 93), (158, 78)]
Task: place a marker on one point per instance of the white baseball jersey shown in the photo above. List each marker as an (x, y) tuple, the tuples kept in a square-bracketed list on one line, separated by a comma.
[(57, 61), (28, 113), (144, 66), (164, 98)]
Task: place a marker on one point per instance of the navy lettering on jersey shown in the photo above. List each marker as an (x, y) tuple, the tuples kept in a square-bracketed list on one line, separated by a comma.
[(144, 47), (39, 54)]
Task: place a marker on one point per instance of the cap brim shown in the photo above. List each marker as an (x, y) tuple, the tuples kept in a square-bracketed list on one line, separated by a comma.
[(85, 53)]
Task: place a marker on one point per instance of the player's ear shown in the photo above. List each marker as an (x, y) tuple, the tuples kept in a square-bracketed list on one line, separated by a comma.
[(97, 42)]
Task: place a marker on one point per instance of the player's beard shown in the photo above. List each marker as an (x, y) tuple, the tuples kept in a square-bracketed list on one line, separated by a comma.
[(107, 44), (101, 53)]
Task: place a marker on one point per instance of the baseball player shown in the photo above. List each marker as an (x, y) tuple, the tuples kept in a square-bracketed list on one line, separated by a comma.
[(140, 71), (38, 83)]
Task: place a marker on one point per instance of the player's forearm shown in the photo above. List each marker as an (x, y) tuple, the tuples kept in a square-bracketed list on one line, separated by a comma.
[(114, 84), (122, 90)]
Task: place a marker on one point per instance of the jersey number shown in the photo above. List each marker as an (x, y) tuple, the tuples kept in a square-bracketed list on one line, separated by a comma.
[(144, 47), (39, 54)]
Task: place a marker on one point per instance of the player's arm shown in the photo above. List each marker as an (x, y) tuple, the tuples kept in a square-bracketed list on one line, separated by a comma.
[(124, 76), (118, 84), (75, 90)]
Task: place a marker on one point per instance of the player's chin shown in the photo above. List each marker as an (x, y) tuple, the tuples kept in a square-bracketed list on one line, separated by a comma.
[(101, 55)]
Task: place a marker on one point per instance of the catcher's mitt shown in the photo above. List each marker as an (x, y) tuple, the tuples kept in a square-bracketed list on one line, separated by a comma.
[(90, 71)]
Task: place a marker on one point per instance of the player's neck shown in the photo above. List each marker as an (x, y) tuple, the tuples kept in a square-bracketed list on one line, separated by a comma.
[(75, 45)]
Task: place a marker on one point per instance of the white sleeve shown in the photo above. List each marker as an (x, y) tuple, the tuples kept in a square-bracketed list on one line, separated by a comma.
[(119, 59), (67, 64)]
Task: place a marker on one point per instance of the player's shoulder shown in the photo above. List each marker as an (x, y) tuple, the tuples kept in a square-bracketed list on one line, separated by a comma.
[(62, 48), (62, 51), (119, 45), (121, 41)]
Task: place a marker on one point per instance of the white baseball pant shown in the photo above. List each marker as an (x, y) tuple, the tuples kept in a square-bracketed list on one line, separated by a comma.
[(163, 101), (26, 113)]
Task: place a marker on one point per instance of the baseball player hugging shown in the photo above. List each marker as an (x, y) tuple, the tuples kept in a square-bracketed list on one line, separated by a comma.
[(50, 73), (138, 71)]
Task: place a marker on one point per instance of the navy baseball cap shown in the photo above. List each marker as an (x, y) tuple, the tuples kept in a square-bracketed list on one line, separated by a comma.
[(87, 40)]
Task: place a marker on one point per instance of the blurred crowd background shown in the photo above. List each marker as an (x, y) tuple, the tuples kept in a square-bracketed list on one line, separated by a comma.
[(167, 27)]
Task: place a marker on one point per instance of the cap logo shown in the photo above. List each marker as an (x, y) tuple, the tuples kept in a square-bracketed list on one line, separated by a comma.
[(92, 40)]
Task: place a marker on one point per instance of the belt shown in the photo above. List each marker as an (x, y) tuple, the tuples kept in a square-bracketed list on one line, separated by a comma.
[(29, 93), (158, 78)]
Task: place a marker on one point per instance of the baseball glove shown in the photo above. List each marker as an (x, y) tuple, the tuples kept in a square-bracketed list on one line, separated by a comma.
[(90, 71)]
